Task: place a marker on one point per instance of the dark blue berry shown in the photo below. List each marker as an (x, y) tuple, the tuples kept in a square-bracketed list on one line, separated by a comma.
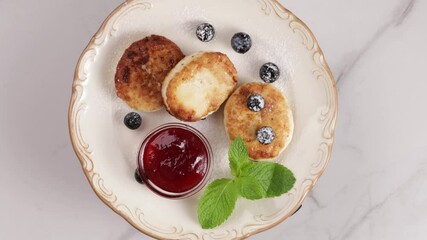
[(241, 42), (300, 206), (138, 177), (255, 102), (132, 120), (269, 72), (265, 135), (205, 32)]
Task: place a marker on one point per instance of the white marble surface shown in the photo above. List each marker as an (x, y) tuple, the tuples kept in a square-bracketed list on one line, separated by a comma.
[(374, 188)]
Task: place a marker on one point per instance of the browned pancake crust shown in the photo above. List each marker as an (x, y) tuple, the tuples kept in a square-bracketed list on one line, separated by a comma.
[(142, 69), (240, 121), (221, 67)]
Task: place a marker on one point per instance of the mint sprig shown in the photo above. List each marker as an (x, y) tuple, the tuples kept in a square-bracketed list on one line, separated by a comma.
[(217, 202), (238, 156), (252, 180), (250, 188), (274, 178)]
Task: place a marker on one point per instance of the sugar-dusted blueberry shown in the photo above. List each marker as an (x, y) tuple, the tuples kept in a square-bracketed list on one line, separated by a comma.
[(133, 120), (265, 135), (241, 42), (205, 32), (138, 177), (269, 72), (255, 102)]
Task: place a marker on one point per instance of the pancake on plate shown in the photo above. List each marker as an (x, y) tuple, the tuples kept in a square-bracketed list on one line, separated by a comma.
[(260, 115), (198, 85), (142, 70)]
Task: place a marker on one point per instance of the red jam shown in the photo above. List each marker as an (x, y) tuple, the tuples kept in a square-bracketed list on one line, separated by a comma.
[(175, 159)]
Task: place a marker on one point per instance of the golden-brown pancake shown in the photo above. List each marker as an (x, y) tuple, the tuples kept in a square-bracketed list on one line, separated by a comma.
[(240, 121), (142, 70), (198, 85)]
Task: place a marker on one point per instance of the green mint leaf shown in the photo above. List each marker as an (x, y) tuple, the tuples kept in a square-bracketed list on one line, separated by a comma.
[(274, 178), (238, 156), (250, 188), (217, 203)]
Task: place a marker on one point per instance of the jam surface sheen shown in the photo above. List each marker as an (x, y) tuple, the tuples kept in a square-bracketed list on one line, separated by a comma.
[(175, 160)]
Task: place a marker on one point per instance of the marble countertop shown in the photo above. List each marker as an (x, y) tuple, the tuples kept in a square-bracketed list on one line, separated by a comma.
[(374, 187)]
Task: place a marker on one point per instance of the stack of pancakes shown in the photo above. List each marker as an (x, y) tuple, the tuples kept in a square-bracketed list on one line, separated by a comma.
[(154, 73)]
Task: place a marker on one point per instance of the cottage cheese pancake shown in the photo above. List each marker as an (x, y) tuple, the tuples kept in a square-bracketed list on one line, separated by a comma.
[(260, 115), (198, 85), (142, 70)]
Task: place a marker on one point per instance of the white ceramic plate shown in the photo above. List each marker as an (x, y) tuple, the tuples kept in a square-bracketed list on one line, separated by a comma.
[(107, 149)]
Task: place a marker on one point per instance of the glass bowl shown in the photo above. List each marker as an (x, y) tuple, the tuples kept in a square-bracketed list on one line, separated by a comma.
[(169, 163)]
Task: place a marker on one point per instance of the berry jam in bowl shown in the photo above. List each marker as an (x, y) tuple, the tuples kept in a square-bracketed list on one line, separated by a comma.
[(174, 160)]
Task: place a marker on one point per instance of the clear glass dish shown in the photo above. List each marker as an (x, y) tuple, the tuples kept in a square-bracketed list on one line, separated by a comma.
[(145, 170)]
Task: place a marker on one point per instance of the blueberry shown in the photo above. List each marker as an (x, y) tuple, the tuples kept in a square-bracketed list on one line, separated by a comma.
[(132, 120), (269, 72), (205, 32), (255, 102), (265, 135), (300, 206), (241, 42), (138, 177)]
